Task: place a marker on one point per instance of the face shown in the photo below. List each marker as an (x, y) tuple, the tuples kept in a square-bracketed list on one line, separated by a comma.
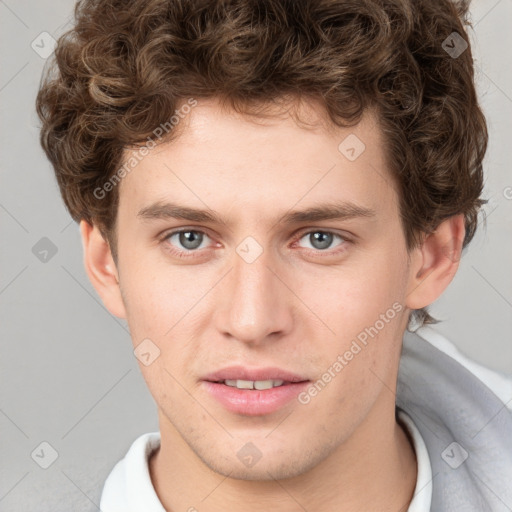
[(231, 268)]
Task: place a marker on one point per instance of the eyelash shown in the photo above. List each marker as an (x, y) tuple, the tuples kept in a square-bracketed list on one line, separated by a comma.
[(193, 253)]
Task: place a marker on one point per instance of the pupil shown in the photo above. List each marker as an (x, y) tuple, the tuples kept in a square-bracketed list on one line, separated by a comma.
[(321, 240), (190, 239)]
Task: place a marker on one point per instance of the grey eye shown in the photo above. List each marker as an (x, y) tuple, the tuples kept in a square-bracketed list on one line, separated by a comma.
[(189, 240), (320, 240)]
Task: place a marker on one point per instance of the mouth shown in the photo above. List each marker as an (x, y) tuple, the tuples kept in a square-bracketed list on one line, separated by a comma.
[(245, 376), (254, 392), (259, 385)]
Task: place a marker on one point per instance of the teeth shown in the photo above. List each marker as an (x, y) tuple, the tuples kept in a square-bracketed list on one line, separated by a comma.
[(254, 384)]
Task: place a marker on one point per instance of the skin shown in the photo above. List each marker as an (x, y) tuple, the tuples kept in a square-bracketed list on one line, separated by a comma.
[(297, 306)]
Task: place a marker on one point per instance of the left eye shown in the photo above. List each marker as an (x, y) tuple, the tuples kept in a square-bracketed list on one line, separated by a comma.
[(321, 240), (188, 239)]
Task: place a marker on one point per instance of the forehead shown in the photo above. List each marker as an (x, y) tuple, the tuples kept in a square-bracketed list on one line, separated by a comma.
[(290, 155)]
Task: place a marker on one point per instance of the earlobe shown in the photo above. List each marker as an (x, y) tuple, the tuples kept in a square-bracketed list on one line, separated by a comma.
[(101, 268), (435, 263)]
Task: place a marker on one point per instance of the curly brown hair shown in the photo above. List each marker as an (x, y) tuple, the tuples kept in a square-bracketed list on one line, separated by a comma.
[(127, 65)]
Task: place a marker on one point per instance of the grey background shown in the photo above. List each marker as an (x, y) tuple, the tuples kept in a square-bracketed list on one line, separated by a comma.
[(68, 375)]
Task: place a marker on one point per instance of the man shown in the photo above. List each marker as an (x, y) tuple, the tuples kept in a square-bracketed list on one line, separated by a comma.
[(272, 193)]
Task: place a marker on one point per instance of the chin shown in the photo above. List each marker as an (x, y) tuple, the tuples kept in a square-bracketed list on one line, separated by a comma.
[(265, 468)]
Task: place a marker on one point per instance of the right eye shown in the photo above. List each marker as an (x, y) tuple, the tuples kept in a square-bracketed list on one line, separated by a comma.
[(184, 242)]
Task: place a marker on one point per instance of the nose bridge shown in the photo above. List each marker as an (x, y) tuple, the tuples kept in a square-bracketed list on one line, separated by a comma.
[(256, 303)]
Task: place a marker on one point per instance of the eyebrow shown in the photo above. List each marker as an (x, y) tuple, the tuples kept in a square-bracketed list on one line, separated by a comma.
[(332, 211)]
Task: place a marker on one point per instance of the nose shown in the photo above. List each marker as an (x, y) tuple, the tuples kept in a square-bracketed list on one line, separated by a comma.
[(253, 304)]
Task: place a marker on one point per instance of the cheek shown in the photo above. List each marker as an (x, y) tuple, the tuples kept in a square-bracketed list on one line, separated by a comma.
[(146, 311), (350, 299), (363, 308), (156, 298), (157, 317)]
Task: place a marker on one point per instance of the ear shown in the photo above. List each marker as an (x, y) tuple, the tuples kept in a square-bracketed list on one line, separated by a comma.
[(435, 263), (101, 269)]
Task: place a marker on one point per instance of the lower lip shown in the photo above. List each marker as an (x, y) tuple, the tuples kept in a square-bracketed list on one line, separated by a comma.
[(252, 402)]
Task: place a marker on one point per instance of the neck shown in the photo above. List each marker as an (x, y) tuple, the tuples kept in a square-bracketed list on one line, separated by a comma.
[(375, 469)]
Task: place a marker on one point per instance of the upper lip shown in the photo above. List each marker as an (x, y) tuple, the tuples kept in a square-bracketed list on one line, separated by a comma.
[(253, 374)]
